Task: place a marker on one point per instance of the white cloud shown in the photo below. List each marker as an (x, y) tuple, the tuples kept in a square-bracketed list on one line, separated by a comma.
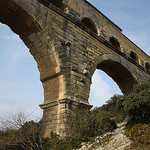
[(100, 90)]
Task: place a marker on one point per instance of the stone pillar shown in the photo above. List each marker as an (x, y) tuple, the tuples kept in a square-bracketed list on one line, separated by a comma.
[(62, 91), (67, 87), (55, 114)]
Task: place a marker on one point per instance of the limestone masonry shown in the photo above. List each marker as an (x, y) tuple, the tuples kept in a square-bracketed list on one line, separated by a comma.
[(70, 39)]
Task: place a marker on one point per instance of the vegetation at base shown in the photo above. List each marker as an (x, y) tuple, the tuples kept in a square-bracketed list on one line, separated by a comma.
[(17, 132), (140, 133), (137, 105), (138, 146), (84, 125), (115, 106)]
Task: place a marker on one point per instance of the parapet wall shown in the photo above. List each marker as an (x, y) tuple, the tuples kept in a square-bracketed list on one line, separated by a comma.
[(77, 10)]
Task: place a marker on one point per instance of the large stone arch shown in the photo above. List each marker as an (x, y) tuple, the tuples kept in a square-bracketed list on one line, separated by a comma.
[(14, 14), (23, 19), (118, 69)]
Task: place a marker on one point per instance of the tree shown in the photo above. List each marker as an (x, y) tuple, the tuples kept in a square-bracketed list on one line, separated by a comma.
[(19, 132), (137, 104), (84, 124)]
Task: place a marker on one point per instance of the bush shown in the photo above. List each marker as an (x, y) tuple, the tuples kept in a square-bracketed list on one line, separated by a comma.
[(137, 105), (115, 106), (55, 143), (78, 123), (138, 146), (19, 132), (84, 124), (102, 121), (140, 133)]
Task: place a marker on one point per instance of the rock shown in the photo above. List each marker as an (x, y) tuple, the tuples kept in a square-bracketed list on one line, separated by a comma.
[(118, 141)]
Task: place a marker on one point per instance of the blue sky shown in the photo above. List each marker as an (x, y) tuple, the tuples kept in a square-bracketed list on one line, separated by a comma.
[(20, 87)]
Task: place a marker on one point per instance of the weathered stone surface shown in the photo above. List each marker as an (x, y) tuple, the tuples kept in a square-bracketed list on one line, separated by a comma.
[(70, 39)]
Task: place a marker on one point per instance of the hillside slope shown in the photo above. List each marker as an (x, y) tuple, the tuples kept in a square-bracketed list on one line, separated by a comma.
[(118, 141)]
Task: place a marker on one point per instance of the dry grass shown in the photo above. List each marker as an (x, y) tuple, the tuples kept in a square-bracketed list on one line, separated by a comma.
[(138, 146)]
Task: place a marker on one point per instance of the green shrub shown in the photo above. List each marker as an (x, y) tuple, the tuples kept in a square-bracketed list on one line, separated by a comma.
[(115, 106), (140, 133), (78, 123), (102, 122), (137, 105), (55, 143), (138, 146), (83, 125)]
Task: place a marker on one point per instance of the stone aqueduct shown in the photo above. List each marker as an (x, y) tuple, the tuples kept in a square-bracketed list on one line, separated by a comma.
[(70, 39)]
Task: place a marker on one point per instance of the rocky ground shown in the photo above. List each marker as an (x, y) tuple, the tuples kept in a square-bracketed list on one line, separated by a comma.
[(110, 141)]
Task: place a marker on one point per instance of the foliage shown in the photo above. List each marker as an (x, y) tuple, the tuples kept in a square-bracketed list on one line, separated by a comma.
[(19, 133), (103, 122), (84, 124), (115, 106), (137, 105), (140, 133), (78, 122), (27, 137), (134, 106), (138, 146), (56, 143)]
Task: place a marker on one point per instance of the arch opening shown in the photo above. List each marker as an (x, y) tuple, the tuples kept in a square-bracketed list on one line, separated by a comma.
[(147, 66), (57, 3), (17, 19), (89, 24), (119, 74), (20, 85), (133, 56), (113, 77), (114, 42), (23, 23), (102, 88)]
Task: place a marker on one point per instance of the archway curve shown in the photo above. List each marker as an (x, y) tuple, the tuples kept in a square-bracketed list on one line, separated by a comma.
[(14, 14), (114, 42), (57, 3), (89, 24), (20, 86), (147, 66), (103, 87), (21, 20), (134, 56), (117, 68)]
